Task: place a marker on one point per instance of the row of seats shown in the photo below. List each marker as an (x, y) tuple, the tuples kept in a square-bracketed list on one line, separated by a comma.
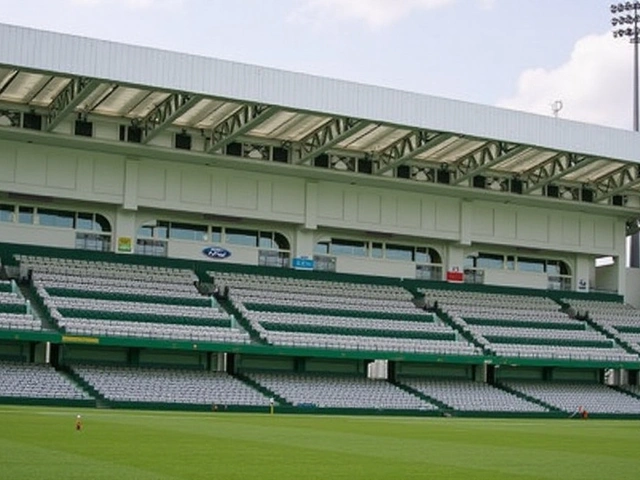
[(299, 285), (466, 395), (334, 391), (158, 385), (569, 396), (28, 380)]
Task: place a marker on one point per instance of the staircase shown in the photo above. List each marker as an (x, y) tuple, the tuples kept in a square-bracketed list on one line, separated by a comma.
[(101, 401), (423, 396), (446, 319), (231, 309), (528, 398), (38, 309), (262, 389)]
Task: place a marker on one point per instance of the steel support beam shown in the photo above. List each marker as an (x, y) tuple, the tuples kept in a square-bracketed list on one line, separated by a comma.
[(327, 136), (616, 182), (76, 91), (164, 114), (483, 158), (409, 147), (554, 169), (243, 120)]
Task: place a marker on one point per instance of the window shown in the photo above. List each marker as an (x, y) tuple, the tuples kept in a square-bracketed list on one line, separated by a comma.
[(355, 248), (399, 252), (93, 241), (376, 250), (56, 218), (154, 248), (531, 265), (273, 258), (216, 234), (321, 248), (6, 213), (237, 236), (25, 215), (324, 263), (183, 231), (101, 224), (84, 221), (490, 261), (428, 272)]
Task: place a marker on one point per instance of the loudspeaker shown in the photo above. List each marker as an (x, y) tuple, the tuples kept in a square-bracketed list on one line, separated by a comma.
[(134, 134), (403, 171), (516, 186), (234, 149), (183, 141), (479, 181), (443, 176), (321, 161), (617, 200), (83, 128), (553, 191), (587, 195), (280, 154), (32, 121), (365, 165)]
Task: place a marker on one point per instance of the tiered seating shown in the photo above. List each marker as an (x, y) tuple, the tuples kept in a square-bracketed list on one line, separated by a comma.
[(112, 299), (322, 314), (525, 326), (620, 320), (467, 395), (161, 385), (13, 311), (339, 391), (569, 397), (28, 380)]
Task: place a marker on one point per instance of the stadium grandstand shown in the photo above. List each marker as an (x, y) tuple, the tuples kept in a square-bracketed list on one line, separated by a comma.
[(183, 232)]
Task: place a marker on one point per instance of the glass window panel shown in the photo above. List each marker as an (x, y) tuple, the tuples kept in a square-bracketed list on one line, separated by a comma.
[(356, 248), (102, 224), (469, 261), (25, 214), (216, 234), (237, 236), (281, 241), (321, 248), (376, 250), (93, 241), (435, 256), (266, 240), (490, 261), (399, 252), (6, 213), (530, 264), (185, 231), (145, 231), (84, 221), (511, 263), (55, 218)]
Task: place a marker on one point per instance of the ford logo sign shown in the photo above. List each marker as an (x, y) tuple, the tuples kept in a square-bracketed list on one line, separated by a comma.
[(216, 253)]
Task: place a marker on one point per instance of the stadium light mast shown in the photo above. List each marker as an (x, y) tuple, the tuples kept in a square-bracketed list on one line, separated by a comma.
[(625, 25)]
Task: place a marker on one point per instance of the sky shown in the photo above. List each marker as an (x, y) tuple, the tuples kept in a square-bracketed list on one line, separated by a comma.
[(520, 54)]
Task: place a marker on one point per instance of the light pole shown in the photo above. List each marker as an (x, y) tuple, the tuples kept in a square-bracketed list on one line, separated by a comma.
[(625, 25)]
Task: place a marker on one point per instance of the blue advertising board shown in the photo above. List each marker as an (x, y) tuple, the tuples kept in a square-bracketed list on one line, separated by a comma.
[(302, 263)]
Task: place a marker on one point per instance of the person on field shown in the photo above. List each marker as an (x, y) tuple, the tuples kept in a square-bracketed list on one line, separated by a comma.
[(78, 423)]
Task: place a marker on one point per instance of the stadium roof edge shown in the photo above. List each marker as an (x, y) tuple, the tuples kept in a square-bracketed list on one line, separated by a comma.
[(79, 56)]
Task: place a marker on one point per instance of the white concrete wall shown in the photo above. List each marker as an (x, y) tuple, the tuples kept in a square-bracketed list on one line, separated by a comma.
[(510, 278), (632, 295)]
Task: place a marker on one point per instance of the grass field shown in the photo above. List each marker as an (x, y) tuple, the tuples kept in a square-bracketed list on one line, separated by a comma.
[(41, 443)]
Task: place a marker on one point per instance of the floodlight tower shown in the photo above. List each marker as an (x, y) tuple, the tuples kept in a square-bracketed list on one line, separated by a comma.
[(625, 25)]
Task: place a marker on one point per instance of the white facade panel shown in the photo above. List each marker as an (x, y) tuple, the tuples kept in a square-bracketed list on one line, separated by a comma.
[(175, 71)]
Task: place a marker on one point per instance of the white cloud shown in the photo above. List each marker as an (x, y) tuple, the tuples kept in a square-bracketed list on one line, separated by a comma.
[(375, 13), (131, 4), (594, 85)]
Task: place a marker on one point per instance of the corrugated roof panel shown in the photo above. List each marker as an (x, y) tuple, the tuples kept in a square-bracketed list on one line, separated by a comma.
[(72, 55)]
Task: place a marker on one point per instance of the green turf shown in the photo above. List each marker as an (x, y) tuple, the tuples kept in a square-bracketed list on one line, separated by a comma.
[(41, 443)]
